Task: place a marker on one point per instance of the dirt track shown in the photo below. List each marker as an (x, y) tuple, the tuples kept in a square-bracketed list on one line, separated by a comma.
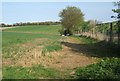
[(6, 28)]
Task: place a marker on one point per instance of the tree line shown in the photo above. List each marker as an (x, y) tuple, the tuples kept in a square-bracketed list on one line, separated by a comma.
[(29, 23)]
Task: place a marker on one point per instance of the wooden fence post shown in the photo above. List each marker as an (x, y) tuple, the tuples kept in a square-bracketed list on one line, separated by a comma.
[(119, 32), (111, 33)]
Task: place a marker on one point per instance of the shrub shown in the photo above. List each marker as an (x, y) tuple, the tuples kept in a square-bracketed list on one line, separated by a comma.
[(106, 69)]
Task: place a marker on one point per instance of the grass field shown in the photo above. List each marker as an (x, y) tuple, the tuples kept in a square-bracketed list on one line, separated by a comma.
[(33, 36), (18, 42), (39, 52)]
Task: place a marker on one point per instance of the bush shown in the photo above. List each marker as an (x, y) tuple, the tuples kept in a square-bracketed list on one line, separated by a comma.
[(106, 69)]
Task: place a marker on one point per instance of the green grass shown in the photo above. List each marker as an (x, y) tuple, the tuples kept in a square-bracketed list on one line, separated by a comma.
[(34, 72), (49, 29), (87, 40), (10, 38)]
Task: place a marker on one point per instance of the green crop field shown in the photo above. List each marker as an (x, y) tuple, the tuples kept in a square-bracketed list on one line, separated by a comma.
[(39, 52)]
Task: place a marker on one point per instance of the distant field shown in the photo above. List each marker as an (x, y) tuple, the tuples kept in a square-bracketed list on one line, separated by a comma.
[(25, 33), (53, 29)]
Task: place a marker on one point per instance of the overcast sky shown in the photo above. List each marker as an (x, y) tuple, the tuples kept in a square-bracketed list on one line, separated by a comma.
[(13, 12)]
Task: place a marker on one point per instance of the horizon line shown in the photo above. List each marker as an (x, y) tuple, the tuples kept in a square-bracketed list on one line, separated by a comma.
[(59, 0), (50, 21)]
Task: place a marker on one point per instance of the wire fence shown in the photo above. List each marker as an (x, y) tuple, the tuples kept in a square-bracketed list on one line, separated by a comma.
[(111, 36)]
